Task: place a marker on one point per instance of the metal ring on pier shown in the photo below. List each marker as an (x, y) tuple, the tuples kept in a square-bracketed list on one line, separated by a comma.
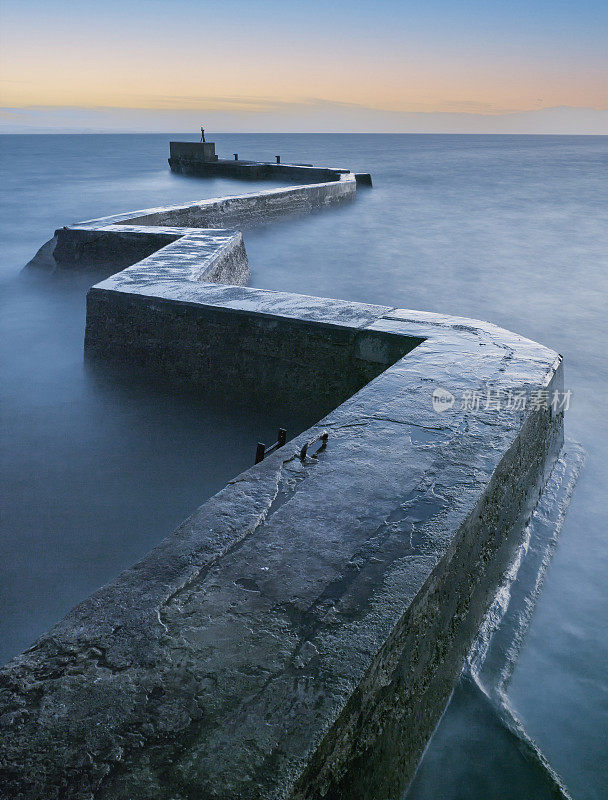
[(322, 437)]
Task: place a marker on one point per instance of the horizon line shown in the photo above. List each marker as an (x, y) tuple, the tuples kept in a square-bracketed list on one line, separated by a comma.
[(283, 133)]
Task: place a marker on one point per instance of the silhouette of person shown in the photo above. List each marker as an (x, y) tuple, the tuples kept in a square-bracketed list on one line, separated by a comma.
[(202, 134)]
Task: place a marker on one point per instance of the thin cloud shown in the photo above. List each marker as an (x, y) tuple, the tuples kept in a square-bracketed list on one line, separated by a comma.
[(308, 115)]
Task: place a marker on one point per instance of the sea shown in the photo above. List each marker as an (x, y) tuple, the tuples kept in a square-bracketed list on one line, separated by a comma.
[(97, 468)]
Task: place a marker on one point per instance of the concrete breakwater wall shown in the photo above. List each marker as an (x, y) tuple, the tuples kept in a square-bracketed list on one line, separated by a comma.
[(179, 254), (221, 340), (299, 635), (129, 238), (253, 208), (198, 158)]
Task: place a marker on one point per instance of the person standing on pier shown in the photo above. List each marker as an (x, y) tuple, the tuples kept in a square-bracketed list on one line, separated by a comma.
[(202, 134)]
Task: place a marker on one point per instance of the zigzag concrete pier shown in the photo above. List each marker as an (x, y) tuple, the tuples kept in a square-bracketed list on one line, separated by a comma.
[(299, 635)]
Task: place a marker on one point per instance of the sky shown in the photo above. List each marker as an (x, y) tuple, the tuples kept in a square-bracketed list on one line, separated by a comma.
[(446, 66)]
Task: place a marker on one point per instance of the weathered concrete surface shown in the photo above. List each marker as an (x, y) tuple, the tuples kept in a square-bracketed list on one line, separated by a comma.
[(185, 254), (239, 342), (246, 209), (193, 158), (198, 151), (123, 239), (178, 254), (299, 635), (198, 158)]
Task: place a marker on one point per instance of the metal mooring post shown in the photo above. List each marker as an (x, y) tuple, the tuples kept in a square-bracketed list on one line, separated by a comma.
[(236, 156), (261, 450), (278, 158)]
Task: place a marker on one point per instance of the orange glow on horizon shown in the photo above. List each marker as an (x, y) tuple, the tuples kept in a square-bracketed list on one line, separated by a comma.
[(85, 62)]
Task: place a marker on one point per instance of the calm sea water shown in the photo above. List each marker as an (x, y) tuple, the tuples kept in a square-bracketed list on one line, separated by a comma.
[(96, 470)]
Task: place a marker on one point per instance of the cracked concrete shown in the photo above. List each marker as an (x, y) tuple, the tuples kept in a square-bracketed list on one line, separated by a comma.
[(266, 648), (299, 635)]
